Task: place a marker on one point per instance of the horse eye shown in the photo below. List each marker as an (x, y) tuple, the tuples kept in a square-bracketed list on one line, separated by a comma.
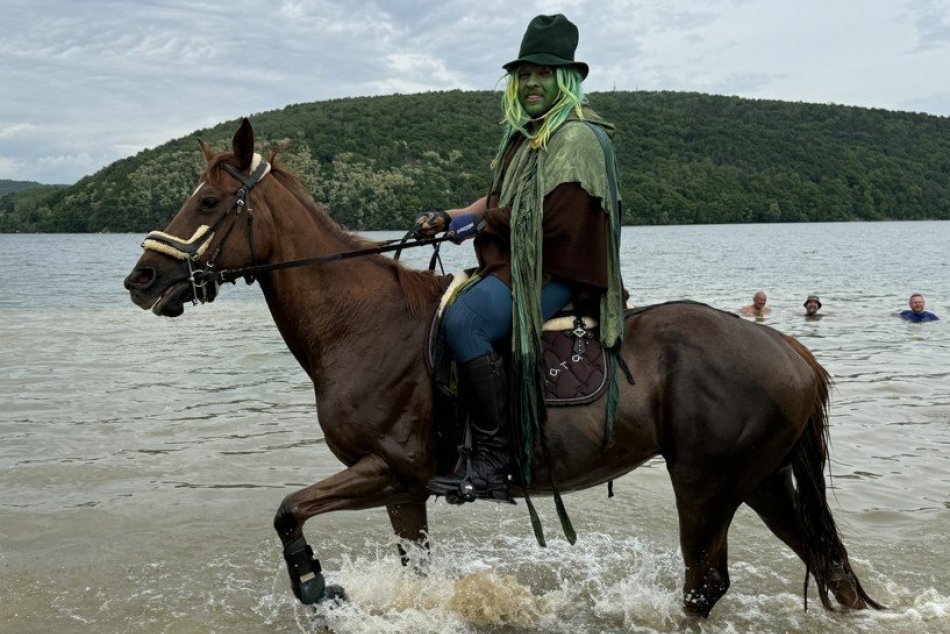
[(209, 202)]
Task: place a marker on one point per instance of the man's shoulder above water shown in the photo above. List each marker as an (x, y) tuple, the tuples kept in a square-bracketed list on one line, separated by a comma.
[(922, 316)]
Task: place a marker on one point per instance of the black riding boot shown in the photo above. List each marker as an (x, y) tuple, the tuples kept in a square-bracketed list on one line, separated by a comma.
[(483, 387)]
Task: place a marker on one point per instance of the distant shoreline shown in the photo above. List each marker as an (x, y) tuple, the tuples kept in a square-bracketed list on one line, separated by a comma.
[(685, 159)]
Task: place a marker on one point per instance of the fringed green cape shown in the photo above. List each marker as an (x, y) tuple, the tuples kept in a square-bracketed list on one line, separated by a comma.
[(577, 152)]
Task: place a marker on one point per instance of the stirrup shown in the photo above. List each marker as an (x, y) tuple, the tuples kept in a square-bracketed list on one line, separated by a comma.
[(459, 491), (456, 489), (461, 488)]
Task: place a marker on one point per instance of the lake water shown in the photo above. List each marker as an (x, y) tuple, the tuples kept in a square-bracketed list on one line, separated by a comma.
[(142, 459)]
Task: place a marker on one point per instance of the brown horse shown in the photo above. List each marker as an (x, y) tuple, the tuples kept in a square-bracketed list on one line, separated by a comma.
[(736, 409)]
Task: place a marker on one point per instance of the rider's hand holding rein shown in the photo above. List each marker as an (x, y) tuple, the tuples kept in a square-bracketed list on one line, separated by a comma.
[(428, 224), (431, 223)]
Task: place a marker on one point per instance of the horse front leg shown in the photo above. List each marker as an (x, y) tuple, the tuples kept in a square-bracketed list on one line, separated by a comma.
[(410, 522), (367, 484)]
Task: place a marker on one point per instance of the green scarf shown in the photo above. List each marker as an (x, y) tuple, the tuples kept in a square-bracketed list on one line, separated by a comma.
[(574, 154)]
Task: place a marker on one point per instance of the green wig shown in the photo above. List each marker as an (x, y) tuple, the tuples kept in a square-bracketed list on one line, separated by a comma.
[(570, 99)]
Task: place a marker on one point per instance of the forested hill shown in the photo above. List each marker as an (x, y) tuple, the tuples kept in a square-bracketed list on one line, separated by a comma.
[(8, 186), (685, 158)]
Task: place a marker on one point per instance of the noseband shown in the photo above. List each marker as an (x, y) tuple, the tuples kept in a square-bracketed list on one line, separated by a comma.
[(194, 248)]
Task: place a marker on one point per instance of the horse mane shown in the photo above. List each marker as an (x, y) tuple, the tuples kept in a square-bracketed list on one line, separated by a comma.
[(420, 288)]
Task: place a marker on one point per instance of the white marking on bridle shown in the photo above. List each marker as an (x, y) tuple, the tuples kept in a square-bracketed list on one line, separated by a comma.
[(200, 185), (166, 243), (255, 161)]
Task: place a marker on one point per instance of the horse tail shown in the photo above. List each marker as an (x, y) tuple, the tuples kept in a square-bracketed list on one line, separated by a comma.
[(826, 557)]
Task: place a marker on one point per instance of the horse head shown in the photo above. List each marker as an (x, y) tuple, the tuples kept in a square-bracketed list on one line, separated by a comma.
[(217, 227)]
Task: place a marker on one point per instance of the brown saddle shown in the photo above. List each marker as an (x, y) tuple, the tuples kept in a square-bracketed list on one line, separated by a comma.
[(575, 366)]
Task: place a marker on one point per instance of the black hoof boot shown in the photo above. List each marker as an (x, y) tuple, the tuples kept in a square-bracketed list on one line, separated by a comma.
[(305, 570)]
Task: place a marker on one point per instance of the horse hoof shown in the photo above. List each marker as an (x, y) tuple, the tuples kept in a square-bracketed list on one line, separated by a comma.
[(332, 596), (335, 594)]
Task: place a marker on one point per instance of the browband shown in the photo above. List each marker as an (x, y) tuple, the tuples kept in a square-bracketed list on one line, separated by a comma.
[(195, 247)]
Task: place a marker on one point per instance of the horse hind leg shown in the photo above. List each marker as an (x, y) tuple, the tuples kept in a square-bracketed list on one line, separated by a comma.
[(774, 501), (410, 523), (704, 541), (704, 529)]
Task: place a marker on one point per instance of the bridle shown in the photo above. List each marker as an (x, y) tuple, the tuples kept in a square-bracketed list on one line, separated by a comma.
[(204, 280)]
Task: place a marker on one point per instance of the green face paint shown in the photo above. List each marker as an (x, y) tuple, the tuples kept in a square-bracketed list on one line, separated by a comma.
[(537, 89)]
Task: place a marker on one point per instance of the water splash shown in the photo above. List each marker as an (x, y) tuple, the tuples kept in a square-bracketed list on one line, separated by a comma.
[(603, 583)]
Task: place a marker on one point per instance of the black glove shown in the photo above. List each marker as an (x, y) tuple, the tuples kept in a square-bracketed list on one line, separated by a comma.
[(430, 223)]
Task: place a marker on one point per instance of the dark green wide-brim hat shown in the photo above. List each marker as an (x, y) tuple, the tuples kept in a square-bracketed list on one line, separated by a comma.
[(549, 41)]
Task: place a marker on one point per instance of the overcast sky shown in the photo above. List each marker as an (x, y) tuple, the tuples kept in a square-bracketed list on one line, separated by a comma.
[(86, 82)]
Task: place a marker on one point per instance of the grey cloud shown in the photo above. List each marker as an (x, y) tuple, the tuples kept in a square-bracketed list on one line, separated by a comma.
[(687, 19), (931, 19), (87, 82)]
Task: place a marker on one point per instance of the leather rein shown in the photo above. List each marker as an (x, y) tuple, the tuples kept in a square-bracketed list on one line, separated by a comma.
[(205, 280)]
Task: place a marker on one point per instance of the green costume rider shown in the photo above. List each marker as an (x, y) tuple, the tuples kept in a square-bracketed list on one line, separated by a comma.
[(546, 235)]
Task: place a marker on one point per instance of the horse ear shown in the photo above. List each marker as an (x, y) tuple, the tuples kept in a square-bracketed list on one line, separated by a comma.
[(206, 150), (243, 145)]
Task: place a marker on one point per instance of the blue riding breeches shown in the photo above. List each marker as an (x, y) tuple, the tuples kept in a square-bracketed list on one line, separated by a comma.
[(481, 316)]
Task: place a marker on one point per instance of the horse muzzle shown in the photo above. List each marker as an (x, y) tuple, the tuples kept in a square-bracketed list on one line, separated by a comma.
[(167, 299)]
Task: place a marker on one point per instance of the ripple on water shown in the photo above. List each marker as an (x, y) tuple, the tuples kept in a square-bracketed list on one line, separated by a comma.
[(145, 458)]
